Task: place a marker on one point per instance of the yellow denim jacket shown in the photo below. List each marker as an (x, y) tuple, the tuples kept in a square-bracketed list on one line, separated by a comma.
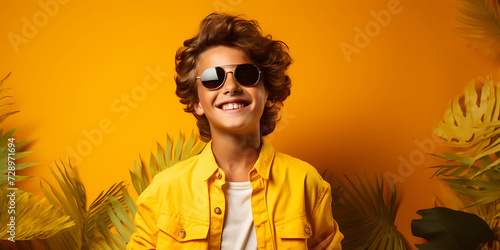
[(184, 206)]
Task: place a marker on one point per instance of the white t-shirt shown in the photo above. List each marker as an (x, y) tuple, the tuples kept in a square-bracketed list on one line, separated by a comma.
[(239, 230)]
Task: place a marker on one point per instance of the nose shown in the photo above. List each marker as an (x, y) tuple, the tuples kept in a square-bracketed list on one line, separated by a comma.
[(231, 86)]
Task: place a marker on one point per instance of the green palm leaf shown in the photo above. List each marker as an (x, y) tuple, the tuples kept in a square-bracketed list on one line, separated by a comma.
[(486, 211), (34, 218), (472, 174), (480, 195), (95, 227), (122, 214), (482, 191), (460, 167), (122, 218), (98, 214), (363, 210), (481, 24), (86, 233), (142, 176), (4, 157)]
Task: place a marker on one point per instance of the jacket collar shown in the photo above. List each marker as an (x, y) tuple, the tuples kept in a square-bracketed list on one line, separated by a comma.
[(207, 166)]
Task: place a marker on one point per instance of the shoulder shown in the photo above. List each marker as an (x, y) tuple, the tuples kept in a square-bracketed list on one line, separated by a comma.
[(170, 178), (297, 173), (294, 167), (297, 186), (177, 171)]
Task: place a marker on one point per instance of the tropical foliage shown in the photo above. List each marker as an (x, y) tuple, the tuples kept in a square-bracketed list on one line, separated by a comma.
[(4, 139), (63, 220), (141, 178), (446, 228), (366, 213), (34, 217), (108, 222), (89, 221), (165, 158), (471, 124), (68, 223), (474, 127), (480, 22)]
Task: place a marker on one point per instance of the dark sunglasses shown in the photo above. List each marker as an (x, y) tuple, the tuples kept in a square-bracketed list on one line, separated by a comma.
[(245, 74)]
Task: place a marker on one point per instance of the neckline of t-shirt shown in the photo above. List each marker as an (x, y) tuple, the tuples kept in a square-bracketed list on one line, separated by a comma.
[(239, 185)]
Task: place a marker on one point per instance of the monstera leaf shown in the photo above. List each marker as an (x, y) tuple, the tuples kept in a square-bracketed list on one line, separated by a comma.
[(447, 229), (474, 126), (481, 24), (471, 175)]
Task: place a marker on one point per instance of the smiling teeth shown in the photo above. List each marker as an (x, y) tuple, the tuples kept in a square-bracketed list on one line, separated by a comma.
[(229, 106)]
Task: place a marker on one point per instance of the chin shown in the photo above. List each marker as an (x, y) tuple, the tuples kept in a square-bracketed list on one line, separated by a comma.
[(237, 127)]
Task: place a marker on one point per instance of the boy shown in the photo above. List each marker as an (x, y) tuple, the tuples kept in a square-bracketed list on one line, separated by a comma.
[(239, 193)]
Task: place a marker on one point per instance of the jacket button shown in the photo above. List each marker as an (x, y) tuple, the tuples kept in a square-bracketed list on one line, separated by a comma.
[(218, 175), (217, 210), (182, 233), (307, 229)]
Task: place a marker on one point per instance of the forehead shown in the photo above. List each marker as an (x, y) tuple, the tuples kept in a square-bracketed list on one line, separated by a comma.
[(221, 55)]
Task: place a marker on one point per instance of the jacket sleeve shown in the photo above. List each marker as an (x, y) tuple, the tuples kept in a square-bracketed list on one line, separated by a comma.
[(145, 220), (326, 233)]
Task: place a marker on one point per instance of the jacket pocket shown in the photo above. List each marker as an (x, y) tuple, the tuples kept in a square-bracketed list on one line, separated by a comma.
[(293, 232), (176, 231)]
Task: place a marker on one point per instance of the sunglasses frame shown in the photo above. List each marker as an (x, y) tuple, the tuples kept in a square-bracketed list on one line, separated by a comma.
[(232, 72)]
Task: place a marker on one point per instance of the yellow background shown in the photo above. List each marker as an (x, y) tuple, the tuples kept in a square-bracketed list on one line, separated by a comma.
[(80, 60)]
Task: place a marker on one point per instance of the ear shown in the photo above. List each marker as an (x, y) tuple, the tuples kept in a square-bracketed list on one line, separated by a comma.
[(198, 108), (269, 103)]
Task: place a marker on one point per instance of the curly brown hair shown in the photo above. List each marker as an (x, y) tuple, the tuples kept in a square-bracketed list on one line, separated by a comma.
[(271, 56)]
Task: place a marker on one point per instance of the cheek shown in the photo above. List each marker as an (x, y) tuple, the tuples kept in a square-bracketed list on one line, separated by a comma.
[(206, 97), (262, 94), (201, 93)]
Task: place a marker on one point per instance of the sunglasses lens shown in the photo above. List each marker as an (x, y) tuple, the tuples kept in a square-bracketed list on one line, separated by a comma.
[(247, 74), (213, 77)]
